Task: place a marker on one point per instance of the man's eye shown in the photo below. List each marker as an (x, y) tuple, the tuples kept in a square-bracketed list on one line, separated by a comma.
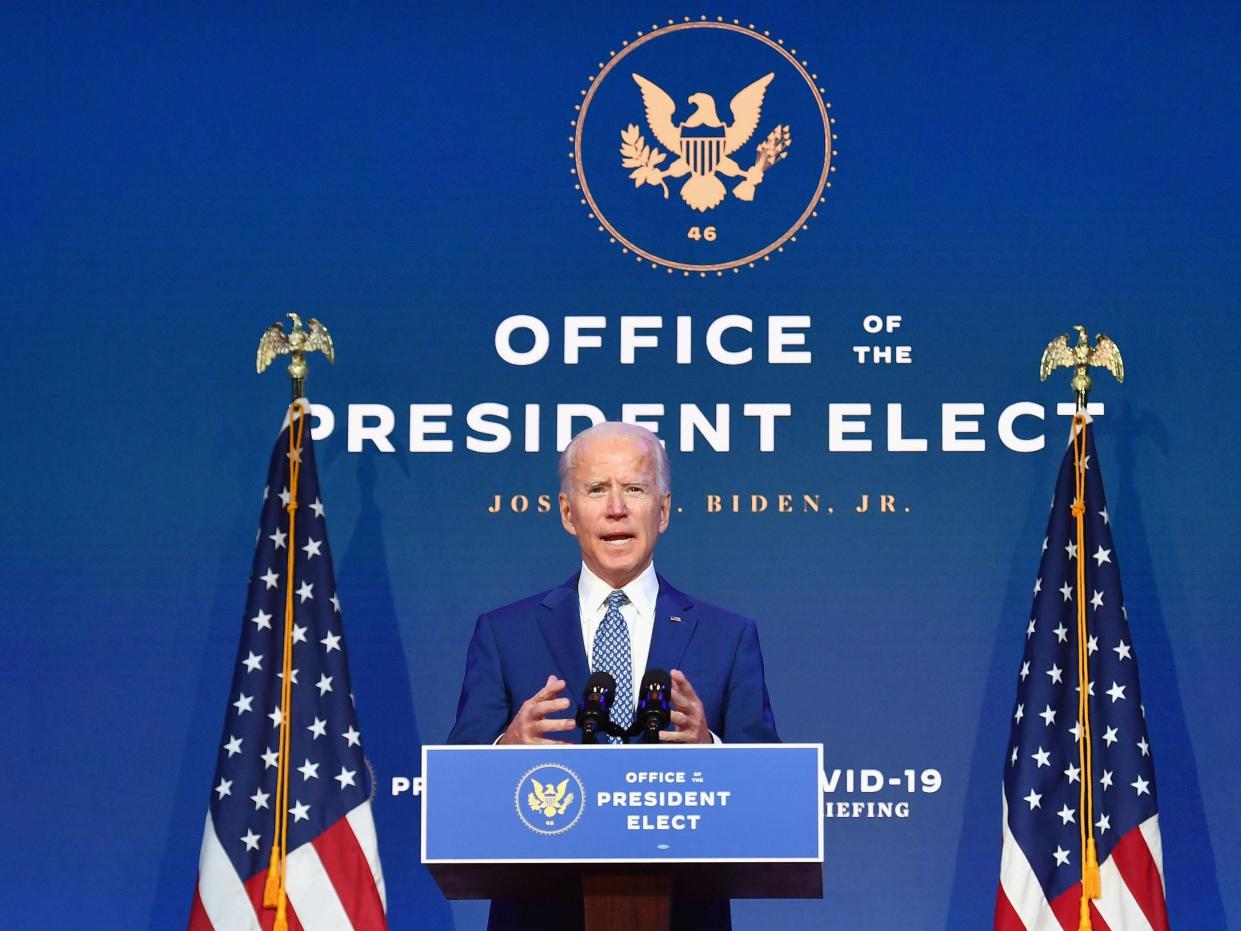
[(635, 489)]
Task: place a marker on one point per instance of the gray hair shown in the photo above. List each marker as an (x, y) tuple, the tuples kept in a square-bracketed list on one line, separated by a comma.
[(663, 473)]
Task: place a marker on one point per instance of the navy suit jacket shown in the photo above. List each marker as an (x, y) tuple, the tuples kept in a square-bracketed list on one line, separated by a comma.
[(515, 649)]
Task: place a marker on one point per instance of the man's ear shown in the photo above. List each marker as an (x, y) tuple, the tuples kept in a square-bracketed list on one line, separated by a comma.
[(665, 511), (566, 515)]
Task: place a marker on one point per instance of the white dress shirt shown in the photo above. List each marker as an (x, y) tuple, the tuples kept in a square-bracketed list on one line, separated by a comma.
[(638, 612)]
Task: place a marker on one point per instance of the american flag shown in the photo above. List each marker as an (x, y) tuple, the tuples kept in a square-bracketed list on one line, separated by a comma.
[(333, 876), (1041, 863)]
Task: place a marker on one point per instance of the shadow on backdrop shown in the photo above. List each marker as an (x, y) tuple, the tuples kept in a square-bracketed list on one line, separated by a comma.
[(178, 869), (1194, 899), (385, 705), (977, 876)]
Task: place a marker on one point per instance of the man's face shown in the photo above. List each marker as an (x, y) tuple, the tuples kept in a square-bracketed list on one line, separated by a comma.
[(614, 507)]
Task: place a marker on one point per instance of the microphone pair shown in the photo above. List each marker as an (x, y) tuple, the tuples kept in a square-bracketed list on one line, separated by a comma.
[(653, 713)]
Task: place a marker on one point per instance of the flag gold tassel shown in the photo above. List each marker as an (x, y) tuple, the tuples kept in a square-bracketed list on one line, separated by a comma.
[(1090, 863), (1090, 877), (274, 892), (271, 888)]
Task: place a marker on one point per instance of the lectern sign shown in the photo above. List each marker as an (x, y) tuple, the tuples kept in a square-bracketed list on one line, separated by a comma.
[(738, 802)]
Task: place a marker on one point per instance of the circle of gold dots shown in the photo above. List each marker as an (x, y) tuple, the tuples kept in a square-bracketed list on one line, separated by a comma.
[(655, 27)]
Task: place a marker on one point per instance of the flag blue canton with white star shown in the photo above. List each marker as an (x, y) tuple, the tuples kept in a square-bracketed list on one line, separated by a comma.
[(331, 835), (1042, 869)]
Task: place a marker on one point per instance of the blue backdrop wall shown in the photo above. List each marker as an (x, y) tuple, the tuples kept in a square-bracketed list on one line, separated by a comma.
[(178, 176)]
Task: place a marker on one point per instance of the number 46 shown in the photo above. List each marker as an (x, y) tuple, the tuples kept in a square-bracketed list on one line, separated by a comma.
[(707, 233)]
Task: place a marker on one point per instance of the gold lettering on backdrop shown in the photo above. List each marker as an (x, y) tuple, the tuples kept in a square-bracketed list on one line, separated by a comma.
[(519, 503), (785, 502), (887, 504)]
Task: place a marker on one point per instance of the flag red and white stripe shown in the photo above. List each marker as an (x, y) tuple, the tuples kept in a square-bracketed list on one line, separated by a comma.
[(1131, 882), (334, 883)]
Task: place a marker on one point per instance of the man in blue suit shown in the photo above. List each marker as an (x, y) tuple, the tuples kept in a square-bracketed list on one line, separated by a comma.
[(528, 660)]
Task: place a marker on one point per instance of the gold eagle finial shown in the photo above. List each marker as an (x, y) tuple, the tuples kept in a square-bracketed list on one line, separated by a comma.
[(295, 344), (1081, 357)]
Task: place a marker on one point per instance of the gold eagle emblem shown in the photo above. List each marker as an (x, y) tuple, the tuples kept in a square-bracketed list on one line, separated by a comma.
[(550, 800), (295, 344), (704, 144), (1104, 354)]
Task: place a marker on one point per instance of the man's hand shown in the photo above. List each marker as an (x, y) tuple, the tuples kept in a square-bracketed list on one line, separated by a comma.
[(687, 714), (532, 724)]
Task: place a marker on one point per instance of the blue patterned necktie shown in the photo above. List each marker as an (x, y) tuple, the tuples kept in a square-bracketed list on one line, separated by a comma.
[(610, 654)]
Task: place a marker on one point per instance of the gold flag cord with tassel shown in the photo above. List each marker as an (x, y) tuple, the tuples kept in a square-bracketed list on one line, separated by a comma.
[(275, 894), (1105, 354), (1090, 864), (296, 344)]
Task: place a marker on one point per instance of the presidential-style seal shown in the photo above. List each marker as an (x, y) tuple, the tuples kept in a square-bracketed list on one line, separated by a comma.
[(678, 181), (550, 799)]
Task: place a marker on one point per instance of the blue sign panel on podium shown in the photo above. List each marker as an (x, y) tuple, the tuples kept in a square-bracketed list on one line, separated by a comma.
[(642, 803)]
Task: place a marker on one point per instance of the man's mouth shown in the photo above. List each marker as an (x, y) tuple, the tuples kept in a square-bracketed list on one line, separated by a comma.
[(617, 539)]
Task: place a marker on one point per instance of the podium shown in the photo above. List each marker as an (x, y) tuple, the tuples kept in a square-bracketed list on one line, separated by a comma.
[(625, 827)]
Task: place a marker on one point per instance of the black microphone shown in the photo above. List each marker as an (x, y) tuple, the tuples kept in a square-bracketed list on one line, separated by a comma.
[(594, 712), (654, 710)]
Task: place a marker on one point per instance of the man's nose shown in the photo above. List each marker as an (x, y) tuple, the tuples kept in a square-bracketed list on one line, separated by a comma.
[(617, 507)]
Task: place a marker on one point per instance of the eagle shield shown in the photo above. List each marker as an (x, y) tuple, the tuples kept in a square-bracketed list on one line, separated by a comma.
[(702, 152)]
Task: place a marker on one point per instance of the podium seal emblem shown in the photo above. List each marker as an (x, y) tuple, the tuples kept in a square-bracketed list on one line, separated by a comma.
[(550, 799), (703, 146)]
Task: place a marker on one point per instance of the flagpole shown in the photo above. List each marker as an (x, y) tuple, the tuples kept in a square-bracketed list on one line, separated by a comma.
[(1080, 358), (279, 823), (1115, 874), (296, 343)]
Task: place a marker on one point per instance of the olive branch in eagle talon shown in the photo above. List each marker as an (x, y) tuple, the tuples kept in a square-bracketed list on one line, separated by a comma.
[(642, 158)]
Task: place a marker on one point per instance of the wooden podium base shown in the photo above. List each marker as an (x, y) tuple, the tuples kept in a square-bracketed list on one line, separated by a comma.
[(622, 901), (628, 896), (753, 880)]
